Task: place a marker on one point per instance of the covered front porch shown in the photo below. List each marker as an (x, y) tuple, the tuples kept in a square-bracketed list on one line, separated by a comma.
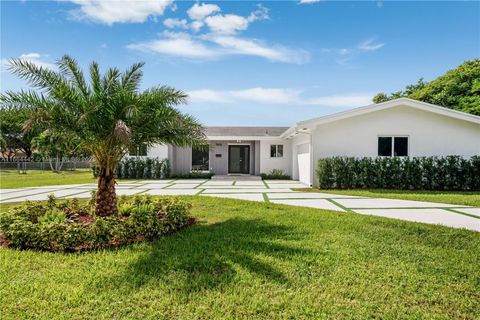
[(224, 158)]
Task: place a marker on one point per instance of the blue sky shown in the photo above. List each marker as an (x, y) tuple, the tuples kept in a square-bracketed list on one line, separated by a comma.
[(251, 62)]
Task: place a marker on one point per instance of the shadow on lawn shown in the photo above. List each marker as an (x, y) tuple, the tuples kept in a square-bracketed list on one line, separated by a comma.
[(204, 257)]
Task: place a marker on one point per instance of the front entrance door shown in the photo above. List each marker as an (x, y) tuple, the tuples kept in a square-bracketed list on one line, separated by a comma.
[(239, 159)]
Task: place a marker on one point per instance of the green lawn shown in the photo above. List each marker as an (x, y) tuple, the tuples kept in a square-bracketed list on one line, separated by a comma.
[(257, 260), (452, 197), (34, 178)]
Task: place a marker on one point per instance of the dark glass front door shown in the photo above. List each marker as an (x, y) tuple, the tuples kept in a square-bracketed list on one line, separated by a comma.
[(239, 159)]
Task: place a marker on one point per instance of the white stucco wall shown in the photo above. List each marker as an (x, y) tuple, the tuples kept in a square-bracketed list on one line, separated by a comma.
[(429, 134), (158, 151), (298, 144), (268, 163)]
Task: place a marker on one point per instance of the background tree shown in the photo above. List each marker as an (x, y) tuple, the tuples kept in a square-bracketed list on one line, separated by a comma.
[(108, 114), (13, 139), (457, 89), (56, 146)]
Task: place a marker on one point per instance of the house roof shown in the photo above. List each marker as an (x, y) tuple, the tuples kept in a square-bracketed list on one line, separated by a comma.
[(304, 126), (213, 132)]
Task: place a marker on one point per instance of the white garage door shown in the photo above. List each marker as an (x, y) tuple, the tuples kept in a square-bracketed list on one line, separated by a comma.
[(303, 156)]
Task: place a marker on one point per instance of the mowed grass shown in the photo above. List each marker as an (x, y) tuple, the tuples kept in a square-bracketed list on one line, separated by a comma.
[(451, 197), (257, 260), (35, 178)]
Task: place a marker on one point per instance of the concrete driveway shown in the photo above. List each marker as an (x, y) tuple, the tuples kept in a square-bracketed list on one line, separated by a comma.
[(275, 191)]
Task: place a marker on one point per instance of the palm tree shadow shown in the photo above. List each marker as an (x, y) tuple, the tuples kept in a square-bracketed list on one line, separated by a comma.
[(205, 257)]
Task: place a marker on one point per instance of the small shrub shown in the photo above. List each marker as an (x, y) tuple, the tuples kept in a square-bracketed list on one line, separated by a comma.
[(68, 226), (275, 174), (428, 173), (193, 175)]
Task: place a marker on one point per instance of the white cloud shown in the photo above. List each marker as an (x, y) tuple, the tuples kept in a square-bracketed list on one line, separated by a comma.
[(112, 11), (370, 45), (221, 40), (212, 96), (175, 23), (239, 46), (196, 25), (266, 95), (277, 96), (184, 45), (34, 57), (308, 1), (232, 23), (201, 11), (177, 44), (227, 24)]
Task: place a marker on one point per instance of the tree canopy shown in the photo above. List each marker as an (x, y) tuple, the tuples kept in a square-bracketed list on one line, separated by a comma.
[(12, 136), (457, 89)]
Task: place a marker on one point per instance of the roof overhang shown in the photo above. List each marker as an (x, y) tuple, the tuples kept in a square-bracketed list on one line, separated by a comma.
[(390, 104), (242, 138)]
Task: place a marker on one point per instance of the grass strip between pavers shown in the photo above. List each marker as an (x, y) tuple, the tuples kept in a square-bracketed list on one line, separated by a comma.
[(339, 205), (37, 193), (200, 184), (265, 197), (409, 208), (460, 212)]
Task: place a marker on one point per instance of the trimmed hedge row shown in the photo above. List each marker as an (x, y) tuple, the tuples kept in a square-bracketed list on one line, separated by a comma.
[(426, 173), (141, 168)]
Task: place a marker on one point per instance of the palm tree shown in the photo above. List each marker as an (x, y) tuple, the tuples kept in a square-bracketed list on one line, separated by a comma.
[(109, 114)]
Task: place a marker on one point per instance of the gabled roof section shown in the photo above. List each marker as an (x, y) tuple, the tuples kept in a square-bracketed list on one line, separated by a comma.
[(390, 104), (309, 124)]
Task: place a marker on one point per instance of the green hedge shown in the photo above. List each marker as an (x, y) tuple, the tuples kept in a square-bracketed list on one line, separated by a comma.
[(275, 174), (426, 173), (193, 175), (141, 168)]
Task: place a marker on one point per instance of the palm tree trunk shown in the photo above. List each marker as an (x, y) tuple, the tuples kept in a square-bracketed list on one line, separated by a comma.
[(106, 200)]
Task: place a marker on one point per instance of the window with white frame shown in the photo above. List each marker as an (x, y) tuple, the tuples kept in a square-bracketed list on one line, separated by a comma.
[(276, 150), (392, 146)]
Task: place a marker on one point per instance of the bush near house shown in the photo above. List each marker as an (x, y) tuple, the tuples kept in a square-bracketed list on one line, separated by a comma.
[(69, 226), (193, 175), (140, 168), (275, 174), (426, 173)]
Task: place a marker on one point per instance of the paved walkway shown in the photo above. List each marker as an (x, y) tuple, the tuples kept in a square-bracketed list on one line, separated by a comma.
[(275, 191)]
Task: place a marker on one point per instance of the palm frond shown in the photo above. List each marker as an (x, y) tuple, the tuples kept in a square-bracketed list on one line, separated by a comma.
[(69, 67), (131, 78), (23, 99), (37, 76), (110, 80), (95, 78)]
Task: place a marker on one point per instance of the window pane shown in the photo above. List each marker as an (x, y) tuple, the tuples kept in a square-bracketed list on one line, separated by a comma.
[(401, 146), (273, 150), (200, 160), (280, 150), (384, 146)]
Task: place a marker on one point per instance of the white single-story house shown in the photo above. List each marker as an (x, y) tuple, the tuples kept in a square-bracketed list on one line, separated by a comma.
[(401, 127)]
